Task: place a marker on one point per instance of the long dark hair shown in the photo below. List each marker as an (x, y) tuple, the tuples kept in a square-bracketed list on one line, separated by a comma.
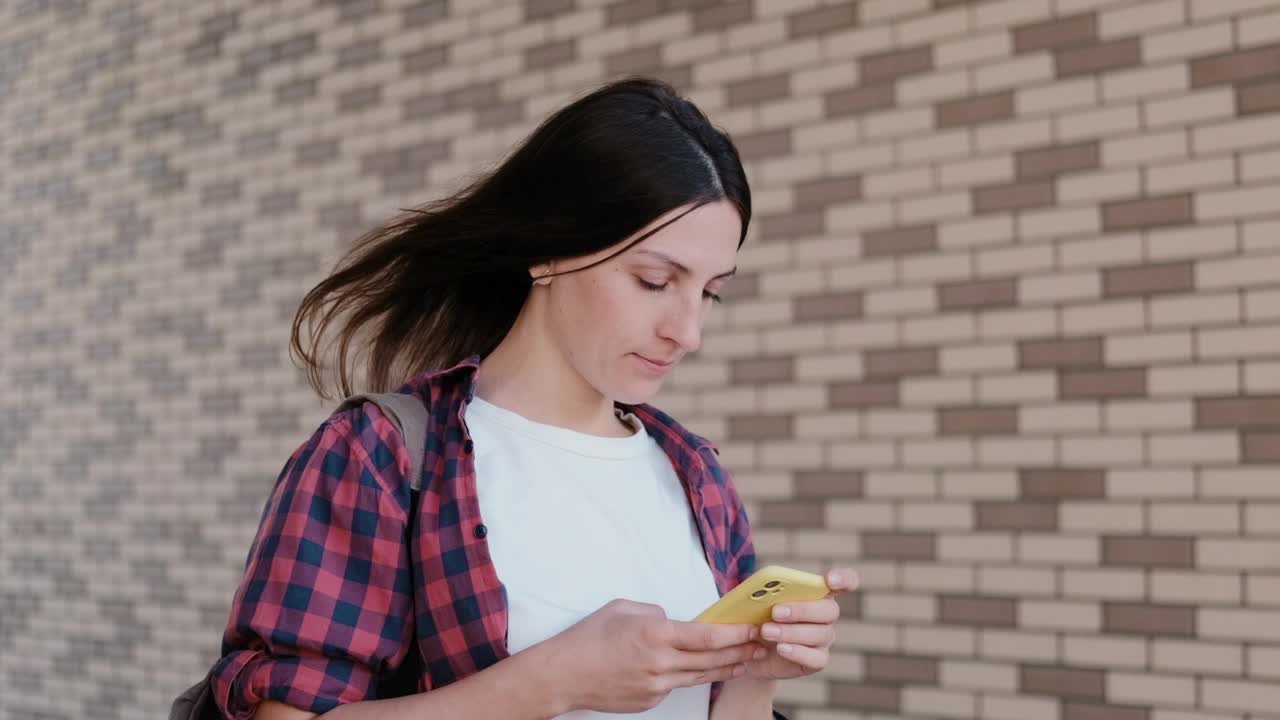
[(447, 279)]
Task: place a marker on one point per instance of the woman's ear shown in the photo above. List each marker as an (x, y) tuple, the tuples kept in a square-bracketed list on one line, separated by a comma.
[(541, 274)]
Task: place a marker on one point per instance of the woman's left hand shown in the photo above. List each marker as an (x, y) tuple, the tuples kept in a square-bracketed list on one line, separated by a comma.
[(799, 637)]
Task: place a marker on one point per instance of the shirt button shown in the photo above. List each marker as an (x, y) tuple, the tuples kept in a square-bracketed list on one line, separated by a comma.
[(468, 446), (481, 530)]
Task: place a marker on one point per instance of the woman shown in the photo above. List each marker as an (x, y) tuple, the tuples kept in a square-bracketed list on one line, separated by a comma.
[(534, 313)]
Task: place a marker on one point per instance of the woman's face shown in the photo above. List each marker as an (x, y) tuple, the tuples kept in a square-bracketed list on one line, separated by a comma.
[(625, 323)]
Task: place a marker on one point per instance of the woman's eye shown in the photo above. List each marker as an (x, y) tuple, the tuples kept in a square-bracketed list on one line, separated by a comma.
[(655, 287)]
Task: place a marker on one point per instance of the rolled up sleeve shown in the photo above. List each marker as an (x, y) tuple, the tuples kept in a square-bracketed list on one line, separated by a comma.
[(325, 603)]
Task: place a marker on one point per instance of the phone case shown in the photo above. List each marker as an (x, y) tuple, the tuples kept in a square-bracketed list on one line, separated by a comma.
[(753, 599)]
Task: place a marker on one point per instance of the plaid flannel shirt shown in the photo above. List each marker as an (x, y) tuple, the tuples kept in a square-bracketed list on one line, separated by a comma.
[(355, 587)]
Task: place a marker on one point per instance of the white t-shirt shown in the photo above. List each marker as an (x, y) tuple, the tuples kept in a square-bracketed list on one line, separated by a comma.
[(576, 520)]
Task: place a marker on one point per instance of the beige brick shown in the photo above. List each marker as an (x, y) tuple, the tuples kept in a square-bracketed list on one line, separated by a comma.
[(900, 423), (1262, 519), (1141, 19), (1206, 10), (937, 146), (1148, 348), (881, 10), (896, 123), (976, 547), (1208, 309), (935, 26), (887, 483), (1261, 235), (1000, 707), (973, 48), (939, 640), (1059, 615), (1006, 13), (1239, 554), (1144, 149), (1199, 173), (963, 233), (1238, 342), (919, 89), (1124, 249), (1087, 124), (1015, 134), (1197, 41), (1202, 447), (824, 544), (1112, 516), (937, 578), (1021, 387), (832, 366), (824, 135), (1259, 166), (774, 399), (1019, 323), (828, 425), (892, 183), (1108, 584), (1083, 285), (953, 327), (1103, 317), (1236, 203), (938, 703), (1145, 82), (870, 636), (1083, 187), (865, 273), (1055, 549), (1015, 260), (1260, 29), (793, 454), (1022, 71), (1262, 305), (1061, 417), (938, 453), (1264, 661), (1058, 222), (1073, 94), (864, 454), (987, 356), (1150, 688), (1245, 483), (1113, 448), (979, 484), (860, 515), (1109, 652), (974, 675), (861, 157), (932, 392), (896, 606), (1187, 242), (1149, 415), (968, 173), (1235, 135), (1190, 380), (1021, 582), (1261, 377), (1238, 272), (1259, 697), (1199, 657), (1195, 518), (937, 206), (1254, 625), (1004, 452), (1194, 587), (1019, 645)]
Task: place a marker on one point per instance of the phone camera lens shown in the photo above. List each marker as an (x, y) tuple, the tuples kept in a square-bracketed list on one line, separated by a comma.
[(771, 583), (758, 594)]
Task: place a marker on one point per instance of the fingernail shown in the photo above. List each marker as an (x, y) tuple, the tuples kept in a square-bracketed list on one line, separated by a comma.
[(781, 613), (771, 632)]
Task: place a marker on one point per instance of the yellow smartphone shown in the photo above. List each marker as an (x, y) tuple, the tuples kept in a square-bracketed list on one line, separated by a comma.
[(752, 601)]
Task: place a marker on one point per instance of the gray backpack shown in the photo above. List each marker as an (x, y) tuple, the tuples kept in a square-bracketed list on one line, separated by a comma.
[(409, 415)]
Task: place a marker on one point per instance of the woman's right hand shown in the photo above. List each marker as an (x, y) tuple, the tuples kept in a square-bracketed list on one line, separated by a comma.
[(627, 656)]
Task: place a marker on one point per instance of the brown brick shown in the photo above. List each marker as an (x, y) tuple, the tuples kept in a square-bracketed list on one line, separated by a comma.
[(1015, 515), (793, 513), (899, 546), (862, 696), (822, 20), (1147, 619), (1057, 33), (758, 89), (1258, 98), (1067, 682), (425, 59), (1113, 55), (764, 145), (852, 101), (1054, 483), (901, 362), (902, 669), (829, 306), (895, 64), (636, 60), (743, 285), (1238, 412), (625, 13), (550, 54), (1149, 279), (974, 110), (829, 191), (760, 427), (899, 241), (828, 483), (1261, 447), (862, 394), (1147, 212), (1001, 420), (1001, 292), (1149, 551), (1037, 163), (784, 226), (1055, 353), (538, 9), (1013, 196), (1110, 383), (746, 371), (1094, 711), (721, 15), (979, 611), (1234, 67), (944, 4), (850, 605)]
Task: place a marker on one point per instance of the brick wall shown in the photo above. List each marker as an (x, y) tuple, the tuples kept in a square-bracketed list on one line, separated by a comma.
[(1007, 335)]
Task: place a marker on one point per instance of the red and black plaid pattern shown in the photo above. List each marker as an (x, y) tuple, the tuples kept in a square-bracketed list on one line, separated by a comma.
[(349, 568)]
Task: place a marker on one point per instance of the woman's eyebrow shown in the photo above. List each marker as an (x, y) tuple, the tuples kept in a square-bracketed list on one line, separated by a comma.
[(679, 266)]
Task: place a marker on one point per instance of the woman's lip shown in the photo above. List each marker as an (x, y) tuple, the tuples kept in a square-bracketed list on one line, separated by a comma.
[(654, 363)]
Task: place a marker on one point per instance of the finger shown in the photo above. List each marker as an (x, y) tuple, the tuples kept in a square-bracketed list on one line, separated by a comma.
[(709, 636), (702, 677), (841, 580), (826, 610), (709, 659), (807, 657), (810, 634)]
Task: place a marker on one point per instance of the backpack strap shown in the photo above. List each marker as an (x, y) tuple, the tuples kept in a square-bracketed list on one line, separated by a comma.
[(409, 415)]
